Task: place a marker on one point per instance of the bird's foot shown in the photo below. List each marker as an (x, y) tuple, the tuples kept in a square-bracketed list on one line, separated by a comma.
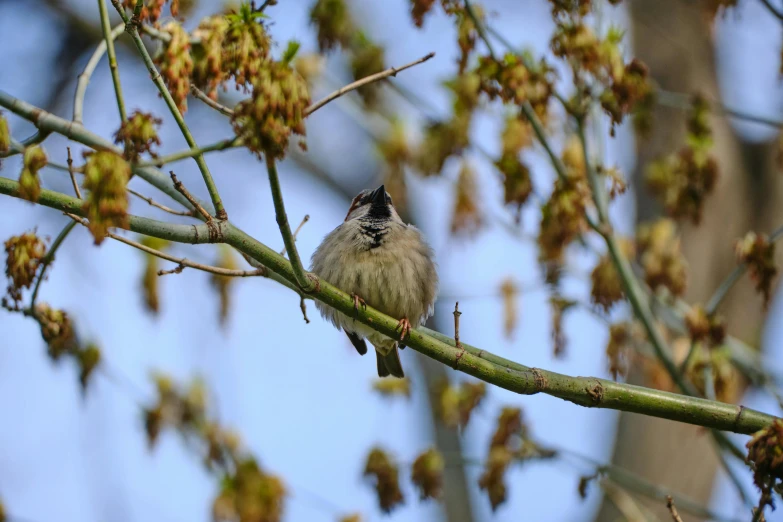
[(404, 326), (357, 301)]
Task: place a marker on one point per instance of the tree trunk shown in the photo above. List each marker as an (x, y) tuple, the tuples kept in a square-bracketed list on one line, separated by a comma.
[(675, 40)]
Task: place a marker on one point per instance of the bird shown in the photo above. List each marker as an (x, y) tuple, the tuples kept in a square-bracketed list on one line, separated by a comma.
[(383, 262)]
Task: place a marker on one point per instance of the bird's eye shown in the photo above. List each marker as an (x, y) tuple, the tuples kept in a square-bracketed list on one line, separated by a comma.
[(388, 199)]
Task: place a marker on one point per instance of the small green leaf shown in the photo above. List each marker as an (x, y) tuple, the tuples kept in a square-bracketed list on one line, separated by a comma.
[(290, 52)]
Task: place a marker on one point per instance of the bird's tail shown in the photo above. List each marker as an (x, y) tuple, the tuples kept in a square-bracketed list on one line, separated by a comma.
[(389, 364)]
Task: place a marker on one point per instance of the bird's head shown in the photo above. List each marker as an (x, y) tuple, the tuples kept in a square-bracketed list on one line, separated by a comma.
[(373, 205)]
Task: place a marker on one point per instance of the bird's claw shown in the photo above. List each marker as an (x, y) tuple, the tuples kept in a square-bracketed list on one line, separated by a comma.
[(357, 301), (404, 326)]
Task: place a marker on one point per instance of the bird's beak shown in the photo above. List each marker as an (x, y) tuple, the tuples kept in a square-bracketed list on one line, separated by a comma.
[(378, 196)]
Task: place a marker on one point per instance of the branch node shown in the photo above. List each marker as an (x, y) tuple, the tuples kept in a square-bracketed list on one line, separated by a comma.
[(539, 379), (596, 392)]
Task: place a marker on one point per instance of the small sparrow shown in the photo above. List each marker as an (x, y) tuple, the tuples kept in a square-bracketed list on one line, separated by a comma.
[(381, 261)]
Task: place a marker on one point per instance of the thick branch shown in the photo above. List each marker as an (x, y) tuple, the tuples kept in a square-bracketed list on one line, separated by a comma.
[(584, 391)]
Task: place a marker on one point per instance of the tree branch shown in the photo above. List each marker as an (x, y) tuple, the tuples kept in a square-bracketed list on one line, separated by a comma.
[(391, 71), (84, 78), (583, 391), (108, 37), (181, 261), (47, 260), (132, 29), (300, 275)]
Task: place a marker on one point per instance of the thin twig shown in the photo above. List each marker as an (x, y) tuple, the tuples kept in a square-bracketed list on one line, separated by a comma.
[(772, 9), (201, 95), (480, 28), (182, 263), (35, 139), (296, 232), (391, 71), (679, 100), (193, 201), (457, 313), (47, 260), (164, 208), (108, 37), (672, 510), (303, 307), (84, 78), (132, 29), (735, 275), (285, 229), (73, 176), (227, 143)]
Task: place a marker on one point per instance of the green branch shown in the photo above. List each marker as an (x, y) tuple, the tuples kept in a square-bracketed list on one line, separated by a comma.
[(132, 29), (108, 36), (632, 288), (583, 391), (48, 122), (84, 78), (300, 275), (47, 260)]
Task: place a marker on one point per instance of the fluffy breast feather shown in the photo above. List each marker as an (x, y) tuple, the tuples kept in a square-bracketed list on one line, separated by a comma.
[(398, 277)]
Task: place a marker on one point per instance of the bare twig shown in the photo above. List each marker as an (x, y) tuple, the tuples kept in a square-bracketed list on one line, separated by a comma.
[(679, 100), (457, 313), (296, 232), (182, 263), (673, 510), (303, 307), (227, 143), (193, 201), (201, 95), (479, 27), (772, 9), (164, 208), (73, 176), (391, 71)]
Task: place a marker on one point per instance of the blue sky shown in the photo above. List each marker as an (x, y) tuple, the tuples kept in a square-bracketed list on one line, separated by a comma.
[(299, 395)]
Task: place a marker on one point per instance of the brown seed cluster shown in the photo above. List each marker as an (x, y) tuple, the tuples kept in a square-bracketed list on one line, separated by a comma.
[(385, 473), (221, 283), (175, 64), (607, 287), (466, 218), (759, 253), (138, 134), (683, 181), (504, 447), (29, 183), (150, 278), (106, 176), (427, 474), (765, 457), (23, 258), (659, 254), (275, 109), (458, 402)]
